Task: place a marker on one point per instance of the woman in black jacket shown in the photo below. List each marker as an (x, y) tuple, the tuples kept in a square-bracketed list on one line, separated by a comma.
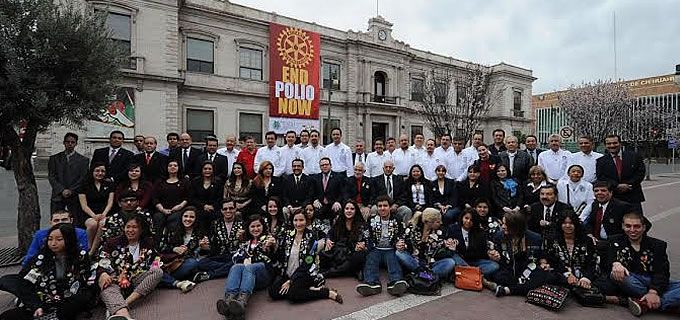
[(472, 243), (471, 189), (205, 194), (445, 196), (506, 192), (418, 191), (346, 252)]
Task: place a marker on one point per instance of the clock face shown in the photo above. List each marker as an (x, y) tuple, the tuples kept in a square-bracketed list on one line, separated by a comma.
[(382, 35)]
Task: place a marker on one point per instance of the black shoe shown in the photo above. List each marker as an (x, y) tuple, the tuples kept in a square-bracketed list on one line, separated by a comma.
[(223, 304), (366, 289), (397, 288), (500, 291), (200, 277)]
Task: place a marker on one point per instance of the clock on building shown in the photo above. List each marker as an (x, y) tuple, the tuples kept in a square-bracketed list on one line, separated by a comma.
[(382, 35)]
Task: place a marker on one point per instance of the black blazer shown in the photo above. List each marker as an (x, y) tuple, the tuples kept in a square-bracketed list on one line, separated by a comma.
[(200, 196), (536, 215), (633, 173), (260, 196), (298, 194), (334, 190), (521, 165), (538, 151), (611, 220), (476, 248), (63, 175), (494, 151), (354, 157), (502, 198), (652, 260), (118, 168), (467, 195), (407, 195), (366, 190), (398, 188), (157, 168), (449, 196), (193, 164), (221, 166)]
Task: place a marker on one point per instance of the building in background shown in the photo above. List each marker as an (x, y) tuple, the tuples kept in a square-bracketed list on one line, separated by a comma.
[(203, 67)]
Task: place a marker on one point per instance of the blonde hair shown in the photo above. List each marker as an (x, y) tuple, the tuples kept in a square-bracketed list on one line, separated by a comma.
[(429, 214)]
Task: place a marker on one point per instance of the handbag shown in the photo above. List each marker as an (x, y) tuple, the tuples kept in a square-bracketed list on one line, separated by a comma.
[(468, 278), (589, 297), (424, 282), (171, 262), (548, 296)]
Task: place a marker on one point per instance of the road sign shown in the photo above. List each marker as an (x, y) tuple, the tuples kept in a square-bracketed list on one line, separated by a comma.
[(672, 143), (566, 132)]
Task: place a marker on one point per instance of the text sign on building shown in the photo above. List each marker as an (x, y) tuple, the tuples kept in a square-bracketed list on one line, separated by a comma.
[(294, 78)]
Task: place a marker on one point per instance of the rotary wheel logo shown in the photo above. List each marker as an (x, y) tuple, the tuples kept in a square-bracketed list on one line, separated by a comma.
[(295, 47)]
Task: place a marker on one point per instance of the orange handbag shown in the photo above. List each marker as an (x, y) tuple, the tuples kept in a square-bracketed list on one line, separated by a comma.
[(468, 278)]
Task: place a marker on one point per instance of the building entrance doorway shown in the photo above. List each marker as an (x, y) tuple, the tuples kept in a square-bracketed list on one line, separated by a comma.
[(379, 130)]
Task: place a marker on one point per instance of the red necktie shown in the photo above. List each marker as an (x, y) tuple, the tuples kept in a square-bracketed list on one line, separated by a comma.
[(358, 191), (148, 159), (619, 165), (325, 184), (599, 215)]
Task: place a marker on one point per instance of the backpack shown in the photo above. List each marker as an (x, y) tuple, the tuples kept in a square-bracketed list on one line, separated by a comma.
[(424, 282)]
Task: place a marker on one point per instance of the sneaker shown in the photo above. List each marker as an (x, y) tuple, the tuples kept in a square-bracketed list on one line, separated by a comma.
[(397, 288), (366, 289), (500, 292), (637, 307), (200, 277), (489, 284), (186, 286)]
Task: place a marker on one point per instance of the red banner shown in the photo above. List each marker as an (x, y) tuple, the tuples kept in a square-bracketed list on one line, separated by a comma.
[(294, 72)]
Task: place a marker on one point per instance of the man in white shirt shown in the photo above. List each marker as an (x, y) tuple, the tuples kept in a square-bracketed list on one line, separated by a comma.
[(270, 153), (290, 152), (458, 161), (419, 146), (471, 151), (340, 154), (554, 161), (376, 159), (391, 145), (313, 153), (304, 139), (586, 158), (229, 151), (444, 152), (403, 157), (429, 162)]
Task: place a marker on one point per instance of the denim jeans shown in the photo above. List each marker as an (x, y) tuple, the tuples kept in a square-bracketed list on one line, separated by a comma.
[(184, 272), (451, 216), (216, 267), (442, 268), (372, 268), (486, 266), (247, 278), (636, 285)]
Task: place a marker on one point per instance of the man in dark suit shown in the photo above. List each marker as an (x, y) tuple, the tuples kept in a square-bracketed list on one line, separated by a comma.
[(531, 143), (545, 213), (394, 187), (624, 170), (358, 188), (329, 186), (359, 154), (217, 159), (67, 171), (115, 157), (606, 214), (154, 164), (189, 158), (300, 188), (520, 160)]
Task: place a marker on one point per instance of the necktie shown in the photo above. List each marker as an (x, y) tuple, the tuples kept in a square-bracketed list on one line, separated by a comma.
[(598, 221), (325, 184), (212, 157), (547, 214), (112, 155), (619, 165), (389, 186), (185, 156), (148, 158), (358, 199), (297, 181)]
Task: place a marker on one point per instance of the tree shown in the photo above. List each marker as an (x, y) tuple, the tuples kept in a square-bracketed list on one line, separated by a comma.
[(57, 66), (596, 109), (455, 102), (645, 126)]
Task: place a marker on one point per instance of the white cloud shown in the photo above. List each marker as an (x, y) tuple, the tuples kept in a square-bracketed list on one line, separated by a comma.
[(563, 42)]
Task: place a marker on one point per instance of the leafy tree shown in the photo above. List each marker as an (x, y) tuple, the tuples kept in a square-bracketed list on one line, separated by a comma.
[(455, 102), (57, 66)]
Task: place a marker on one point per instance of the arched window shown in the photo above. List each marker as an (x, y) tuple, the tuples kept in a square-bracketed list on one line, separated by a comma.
[(380, 79)]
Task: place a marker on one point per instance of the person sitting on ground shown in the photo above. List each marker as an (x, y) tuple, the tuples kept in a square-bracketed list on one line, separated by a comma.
[(347, 253), (253, 269), (115, 224), (472, 246), (128, 268), (639, 270), (428, 246), (385, 235), (572, 253), (57, 217), (219, 247), (53, 280), (318, 226), (179, 251), (298, 278), (275, 220), (490, 225)]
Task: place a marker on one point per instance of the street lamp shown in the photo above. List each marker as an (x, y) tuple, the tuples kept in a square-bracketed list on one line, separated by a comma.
[(332, 82)]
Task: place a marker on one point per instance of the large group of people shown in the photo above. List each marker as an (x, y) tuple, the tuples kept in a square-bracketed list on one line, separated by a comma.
[(287, 218)]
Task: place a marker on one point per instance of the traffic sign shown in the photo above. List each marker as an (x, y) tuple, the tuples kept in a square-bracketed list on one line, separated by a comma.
[(566, 132), (672, 143)]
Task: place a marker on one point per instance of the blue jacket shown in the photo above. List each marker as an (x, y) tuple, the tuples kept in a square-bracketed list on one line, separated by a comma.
[(39, 240)]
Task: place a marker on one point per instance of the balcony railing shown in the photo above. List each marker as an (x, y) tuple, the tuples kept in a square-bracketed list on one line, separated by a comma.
[(384, 99)]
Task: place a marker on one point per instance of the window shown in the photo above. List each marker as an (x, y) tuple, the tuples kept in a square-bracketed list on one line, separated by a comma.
[(414, 131), (331, 76), (250, 61), (379, 83), (517, 100), (417, 88), (200, 55), (461, 95), (250, 124), (335, 123), (441, 92), (120, 26), (200, 123)]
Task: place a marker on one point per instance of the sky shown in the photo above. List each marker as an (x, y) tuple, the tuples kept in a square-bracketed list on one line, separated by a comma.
[(562, 42)]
